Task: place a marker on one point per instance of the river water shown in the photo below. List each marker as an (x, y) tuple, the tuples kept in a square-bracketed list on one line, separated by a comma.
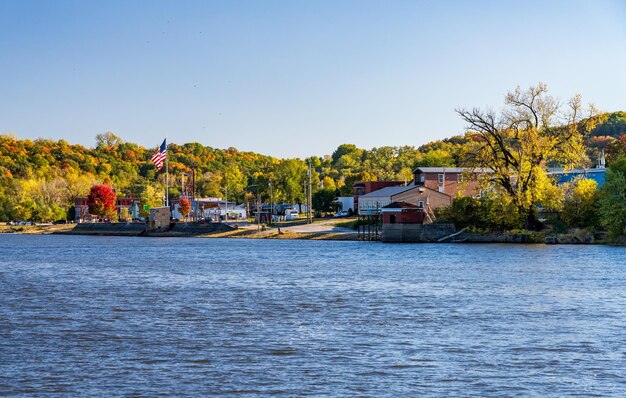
[(94, 316)]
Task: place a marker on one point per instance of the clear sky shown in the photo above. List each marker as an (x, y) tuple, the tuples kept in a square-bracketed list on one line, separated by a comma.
[(293, 78)]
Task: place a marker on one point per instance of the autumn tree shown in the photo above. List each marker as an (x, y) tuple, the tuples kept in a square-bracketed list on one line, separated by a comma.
[(107, 140), (517, 143), (101, 201), (184, 206), (579, 207)]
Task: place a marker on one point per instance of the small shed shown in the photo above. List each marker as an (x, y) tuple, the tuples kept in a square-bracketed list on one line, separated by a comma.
[(159, 218), (402, 213)]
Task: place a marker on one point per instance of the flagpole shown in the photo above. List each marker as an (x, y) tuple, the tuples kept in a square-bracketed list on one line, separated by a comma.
[(167, 176)]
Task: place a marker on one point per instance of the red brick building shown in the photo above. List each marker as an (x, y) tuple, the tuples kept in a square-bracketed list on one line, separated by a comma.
[(450, 180), (420, 196), (81, 209), (402, 213)]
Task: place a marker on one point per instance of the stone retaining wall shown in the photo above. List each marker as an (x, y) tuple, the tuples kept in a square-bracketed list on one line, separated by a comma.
[(136, 229), (414, 233)]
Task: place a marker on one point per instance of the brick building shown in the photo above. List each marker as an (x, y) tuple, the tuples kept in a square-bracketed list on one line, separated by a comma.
[(420, 196), (402, 213), (126, 207), (450, 180)]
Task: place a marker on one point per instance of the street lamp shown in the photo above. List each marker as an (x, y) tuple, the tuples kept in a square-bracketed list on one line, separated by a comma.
[(271, 204)]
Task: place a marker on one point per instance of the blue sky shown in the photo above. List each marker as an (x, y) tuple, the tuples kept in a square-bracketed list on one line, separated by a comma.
[(293, 78)]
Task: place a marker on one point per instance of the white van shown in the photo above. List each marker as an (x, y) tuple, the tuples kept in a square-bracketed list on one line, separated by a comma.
[(291, 214)]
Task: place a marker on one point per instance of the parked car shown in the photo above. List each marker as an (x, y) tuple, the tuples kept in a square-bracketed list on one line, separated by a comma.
[(341, 214), (57, 222)]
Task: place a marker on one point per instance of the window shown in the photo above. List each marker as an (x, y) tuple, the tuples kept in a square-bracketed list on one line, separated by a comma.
[(440, 178), (392, 219), (420, 204)]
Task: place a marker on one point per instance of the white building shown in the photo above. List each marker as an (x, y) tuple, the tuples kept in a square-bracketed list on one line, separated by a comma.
[(347, 203)]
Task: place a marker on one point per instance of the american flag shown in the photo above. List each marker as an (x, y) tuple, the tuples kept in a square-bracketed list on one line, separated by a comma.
[(159, 157)]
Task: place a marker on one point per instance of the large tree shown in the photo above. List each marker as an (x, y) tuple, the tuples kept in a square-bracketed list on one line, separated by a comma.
[(517, 143), (101, 201)]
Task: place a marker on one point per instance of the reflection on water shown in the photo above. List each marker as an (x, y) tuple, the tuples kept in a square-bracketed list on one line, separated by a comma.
[(139, 316)]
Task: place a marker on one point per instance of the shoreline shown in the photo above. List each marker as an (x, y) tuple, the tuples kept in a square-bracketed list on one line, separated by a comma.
[(241, 233), (316, 231)]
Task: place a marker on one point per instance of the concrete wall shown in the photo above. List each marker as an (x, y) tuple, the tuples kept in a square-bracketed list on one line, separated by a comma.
[(121, 228), (136, 229), (414, 233), (191, 228)]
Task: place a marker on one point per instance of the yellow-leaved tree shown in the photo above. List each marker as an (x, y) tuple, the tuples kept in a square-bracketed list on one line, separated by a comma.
[(517, 143)]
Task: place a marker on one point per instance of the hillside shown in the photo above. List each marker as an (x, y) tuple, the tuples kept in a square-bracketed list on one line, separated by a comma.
[(41, 178)]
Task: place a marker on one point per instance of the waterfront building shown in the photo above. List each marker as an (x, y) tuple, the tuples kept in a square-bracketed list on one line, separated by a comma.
[(420, 196), (127, 207), (361, 188), (450, 180)]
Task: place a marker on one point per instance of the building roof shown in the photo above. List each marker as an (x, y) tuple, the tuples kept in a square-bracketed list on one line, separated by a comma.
[(400, 205), (392, 191), (376, 182), (576, 171), (452, 169), (387, 191)]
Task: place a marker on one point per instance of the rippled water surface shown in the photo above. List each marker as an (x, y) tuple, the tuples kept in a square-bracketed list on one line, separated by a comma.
[(96, 316)]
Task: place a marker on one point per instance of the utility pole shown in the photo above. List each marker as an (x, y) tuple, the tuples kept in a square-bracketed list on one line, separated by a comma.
[(310, 196), (193, 189), (258, 210)]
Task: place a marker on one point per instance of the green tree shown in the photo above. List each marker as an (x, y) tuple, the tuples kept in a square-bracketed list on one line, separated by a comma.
[(612, 203), (492, 211), (323, 201), (290, 176), (234, 181)]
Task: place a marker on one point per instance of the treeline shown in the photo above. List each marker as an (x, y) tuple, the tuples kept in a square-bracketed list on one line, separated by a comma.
[(577, 204), (42, 178)]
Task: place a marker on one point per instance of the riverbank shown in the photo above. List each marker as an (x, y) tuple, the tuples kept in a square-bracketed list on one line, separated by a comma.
[(334, 230), (320, 230)]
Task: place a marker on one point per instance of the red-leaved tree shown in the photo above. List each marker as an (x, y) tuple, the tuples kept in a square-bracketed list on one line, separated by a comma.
[(184, 206), (101, 201)]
